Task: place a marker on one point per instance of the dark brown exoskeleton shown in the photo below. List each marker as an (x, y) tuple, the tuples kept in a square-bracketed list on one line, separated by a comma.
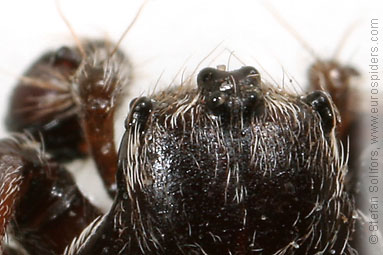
[(231, 166), (234, 166), (67, 98), (65, 95)]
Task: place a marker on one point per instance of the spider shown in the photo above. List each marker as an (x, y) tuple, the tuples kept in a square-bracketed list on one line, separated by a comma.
[(229, 165)]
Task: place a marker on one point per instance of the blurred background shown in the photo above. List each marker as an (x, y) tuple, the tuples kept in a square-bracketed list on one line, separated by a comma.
[(173, 37)]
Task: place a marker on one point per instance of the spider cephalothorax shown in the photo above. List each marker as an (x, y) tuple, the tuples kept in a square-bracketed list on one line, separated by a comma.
[(231, 167)]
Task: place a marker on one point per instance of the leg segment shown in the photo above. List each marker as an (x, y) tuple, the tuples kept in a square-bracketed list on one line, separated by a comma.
[(41, 205), (336, 80), (70, 99)]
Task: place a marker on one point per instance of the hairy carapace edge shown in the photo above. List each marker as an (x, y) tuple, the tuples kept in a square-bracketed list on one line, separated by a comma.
[(231, 166)]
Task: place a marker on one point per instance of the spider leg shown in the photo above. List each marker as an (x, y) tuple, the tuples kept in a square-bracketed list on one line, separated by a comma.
[(42, 105), (99, 88), (114, 233), (41, 206), (335, 79), (69, 100)]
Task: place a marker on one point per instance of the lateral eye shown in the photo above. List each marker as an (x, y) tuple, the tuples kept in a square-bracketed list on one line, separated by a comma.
[(140, 109), (320, 102), (142, 105)]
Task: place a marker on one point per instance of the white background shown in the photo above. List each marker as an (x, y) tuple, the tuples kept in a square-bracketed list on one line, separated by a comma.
[(177, 35)]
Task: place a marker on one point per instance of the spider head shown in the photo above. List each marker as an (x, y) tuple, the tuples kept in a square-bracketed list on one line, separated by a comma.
[(234, 165)]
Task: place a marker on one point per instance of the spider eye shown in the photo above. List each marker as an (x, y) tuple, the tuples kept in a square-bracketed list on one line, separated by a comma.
[(320, 102), (140, 107), (253, 98), (144, 105), (216, 101), (140, 104)]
